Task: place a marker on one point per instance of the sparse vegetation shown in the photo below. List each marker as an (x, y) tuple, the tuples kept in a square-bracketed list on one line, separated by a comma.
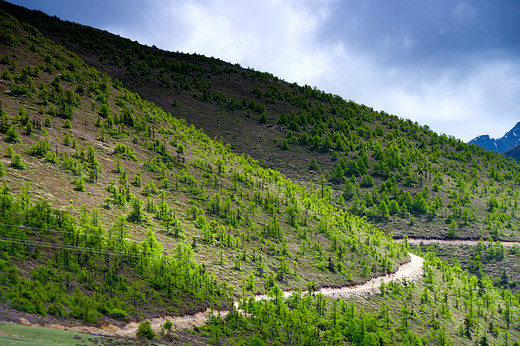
[(120, 210)]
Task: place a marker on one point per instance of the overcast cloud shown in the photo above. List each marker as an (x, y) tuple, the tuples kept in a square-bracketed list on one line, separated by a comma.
[(452, 65)]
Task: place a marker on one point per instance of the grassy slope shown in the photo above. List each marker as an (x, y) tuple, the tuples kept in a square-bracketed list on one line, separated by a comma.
[(199, 89), (499, 263), (238, 218), (307, 247), (449, 306), (15, 334)]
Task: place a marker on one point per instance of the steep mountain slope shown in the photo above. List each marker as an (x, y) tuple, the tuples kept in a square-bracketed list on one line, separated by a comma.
[(115, 210), (400, 175), (120, 182), (513, 152), (484, 259), (510, 140)]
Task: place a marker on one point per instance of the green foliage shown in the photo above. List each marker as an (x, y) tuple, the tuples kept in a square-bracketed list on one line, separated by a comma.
[(366, 181), (288, 234), (452, 230), (125, 151), (313, 165), (492, 203), (137, 213), (263, 118), (383, 210), (293, 126), (66, 140), (9, 152), (393, 207), (105, 110), (79, 184), (4, 121), (17, 162), (11, 136), (137, 180), (22, 117), (40, 148)]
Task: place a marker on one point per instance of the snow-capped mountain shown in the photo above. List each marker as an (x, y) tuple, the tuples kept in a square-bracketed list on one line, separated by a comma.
[(510, 140)]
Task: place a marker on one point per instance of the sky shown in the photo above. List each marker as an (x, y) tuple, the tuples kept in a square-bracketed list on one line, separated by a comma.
[(452, 65)]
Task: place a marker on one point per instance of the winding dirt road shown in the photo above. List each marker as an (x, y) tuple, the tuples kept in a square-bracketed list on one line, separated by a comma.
[(410, 271)]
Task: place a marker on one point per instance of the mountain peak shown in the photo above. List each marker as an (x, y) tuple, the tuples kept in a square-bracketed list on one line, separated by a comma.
[(510, 140)]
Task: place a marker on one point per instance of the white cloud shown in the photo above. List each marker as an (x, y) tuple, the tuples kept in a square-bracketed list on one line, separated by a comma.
[(465, 11), (282, 37), (269, 35), (481, 98), (405, 42)]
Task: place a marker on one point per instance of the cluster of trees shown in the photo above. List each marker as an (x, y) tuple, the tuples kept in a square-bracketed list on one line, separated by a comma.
[(487, 258), (86, 271), (449, 306), (258, 215), (380, 159), (368, 147), (260, 229)]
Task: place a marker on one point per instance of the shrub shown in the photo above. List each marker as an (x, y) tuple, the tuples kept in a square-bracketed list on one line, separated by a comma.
[(55, 309), (168, 325), (313, 165), (293, 126), (12, 135), (17, 162), (263, 118), (104, 110), (119, 313), (39, 149), (144, 331), (79, 184), (125, 151)]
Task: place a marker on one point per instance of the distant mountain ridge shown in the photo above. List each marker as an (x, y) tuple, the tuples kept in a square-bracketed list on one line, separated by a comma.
[(513, 152), (510, 140)]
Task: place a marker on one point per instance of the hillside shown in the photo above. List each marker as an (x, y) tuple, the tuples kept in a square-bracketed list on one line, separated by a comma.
[(117, 209), (113, 172), (399, 174), (513, 152)]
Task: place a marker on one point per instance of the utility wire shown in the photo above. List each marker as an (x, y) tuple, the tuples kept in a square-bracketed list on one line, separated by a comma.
[(80, 248), (136, 255), (84, 249), (71, 247), (53, 230)]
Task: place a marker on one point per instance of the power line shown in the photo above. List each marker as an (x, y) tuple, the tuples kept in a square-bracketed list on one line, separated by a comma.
[(71, 247), (84, 249), (137, 255), (53, 230)]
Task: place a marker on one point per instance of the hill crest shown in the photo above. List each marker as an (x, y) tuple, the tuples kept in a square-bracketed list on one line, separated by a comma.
[(510, 140)]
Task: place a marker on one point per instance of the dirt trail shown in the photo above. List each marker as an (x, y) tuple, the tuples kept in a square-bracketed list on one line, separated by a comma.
[(411, 270), (418, 241)]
